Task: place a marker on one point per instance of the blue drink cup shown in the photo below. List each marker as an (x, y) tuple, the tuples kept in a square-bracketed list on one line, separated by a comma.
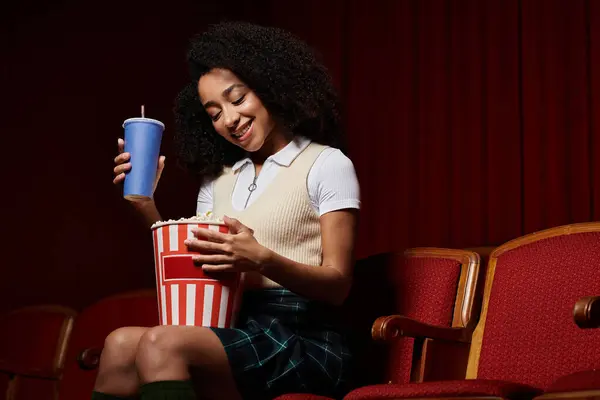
[(142, 142)]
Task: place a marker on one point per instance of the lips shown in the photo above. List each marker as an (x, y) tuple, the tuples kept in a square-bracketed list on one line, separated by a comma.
[(244, 132)]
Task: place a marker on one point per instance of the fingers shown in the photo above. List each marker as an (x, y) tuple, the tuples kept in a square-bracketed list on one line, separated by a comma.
[(210, 235), (235, 226), (119, 178), (203, 246), (122, 168), (159, 169), (221, 268), (122, 165), (122, 158), (213, 259)]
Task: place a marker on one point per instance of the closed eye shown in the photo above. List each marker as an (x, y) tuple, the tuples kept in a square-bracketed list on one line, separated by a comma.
[(239, 101)]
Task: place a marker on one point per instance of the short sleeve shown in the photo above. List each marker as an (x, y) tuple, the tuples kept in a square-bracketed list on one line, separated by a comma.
[(332, 182), (205, 198)]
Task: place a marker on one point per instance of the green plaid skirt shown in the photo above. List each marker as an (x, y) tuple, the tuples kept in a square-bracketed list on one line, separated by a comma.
[(284, 343)]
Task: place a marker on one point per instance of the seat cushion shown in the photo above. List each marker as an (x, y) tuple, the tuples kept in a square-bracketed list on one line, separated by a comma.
[(302, 396), (582, 380), (458, 388)]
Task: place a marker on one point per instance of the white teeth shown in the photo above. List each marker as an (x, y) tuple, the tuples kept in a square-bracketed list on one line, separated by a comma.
[(239, 135)]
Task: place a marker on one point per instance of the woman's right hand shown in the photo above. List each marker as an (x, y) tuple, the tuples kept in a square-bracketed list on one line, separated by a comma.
[(122, 165)]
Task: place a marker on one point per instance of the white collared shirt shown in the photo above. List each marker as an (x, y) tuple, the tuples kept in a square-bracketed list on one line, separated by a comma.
[(332, 183)]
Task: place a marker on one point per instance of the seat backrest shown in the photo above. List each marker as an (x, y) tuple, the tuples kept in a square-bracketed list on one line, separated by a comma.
[(484, 254), (526, 333), (33, 340), (33, 345), (438, 287), (94, 323)]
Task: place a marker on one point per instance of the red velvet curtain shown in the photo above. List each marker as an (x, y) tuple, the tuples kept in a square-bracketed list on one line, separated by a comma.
[(471, 122)]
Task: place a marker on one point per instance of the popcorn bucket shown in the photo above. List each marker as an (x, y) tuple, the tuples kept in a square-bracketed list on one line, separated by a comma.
[(186, 296)]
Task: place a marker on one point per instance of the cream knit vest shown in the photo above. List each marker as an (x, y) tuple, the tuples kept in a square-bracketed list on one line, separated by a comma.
[(282, 218)]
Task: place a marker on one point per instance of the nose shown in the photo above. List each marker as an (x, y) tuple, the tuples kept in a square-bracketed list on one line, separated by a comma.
[(231, 118)]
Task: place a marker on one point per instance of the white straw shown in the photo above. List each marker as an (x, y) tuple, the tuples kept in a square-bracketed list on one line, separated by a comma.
[(143, 111)]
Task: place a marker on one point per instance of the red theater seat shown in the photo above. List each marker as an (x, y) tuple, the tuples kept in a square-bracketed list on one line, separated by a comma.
[(430, 285), (33, 344), (525, 340), (93, 324)]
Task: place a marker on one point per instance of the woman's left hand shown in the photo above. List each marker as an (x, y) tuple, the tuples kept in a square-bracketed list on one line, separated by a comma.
[(237, 250)]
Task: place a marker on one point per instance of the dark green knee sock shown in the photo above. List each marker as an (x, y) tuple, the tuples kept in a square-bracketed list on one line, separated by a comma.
[(167, 390), (104, 396)]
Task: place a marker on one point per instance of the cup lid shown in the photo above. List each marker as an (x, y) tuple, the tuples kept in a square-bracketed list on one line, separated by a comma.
[(140, 119)]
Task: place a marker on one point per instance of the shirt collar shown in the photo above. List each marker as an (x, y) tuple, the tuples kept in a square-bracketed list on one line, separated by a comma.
[(283, 157), (240, 164)]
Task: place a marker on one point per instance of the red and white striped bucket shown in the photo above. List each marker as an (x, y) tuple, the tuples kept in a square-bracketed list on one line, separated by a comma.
[(186, 296)]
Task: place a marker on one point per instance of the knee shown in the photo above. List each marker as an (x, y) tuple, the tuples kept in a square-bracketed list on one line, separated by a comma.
[(157, 345), (120, 346), (159, 338)]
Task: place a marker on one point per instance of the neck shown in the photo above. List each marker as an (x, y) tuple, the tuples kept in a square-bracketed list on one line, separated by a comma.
[(276, 141)]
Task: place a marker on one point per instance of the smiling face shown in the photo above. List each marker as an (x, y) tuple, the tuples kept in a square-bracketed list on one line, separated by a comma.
[(237, 113)]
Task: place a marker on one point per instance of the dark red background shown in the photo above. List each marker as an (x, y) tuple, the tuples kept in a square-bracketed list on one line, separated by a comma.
[(470, 122)]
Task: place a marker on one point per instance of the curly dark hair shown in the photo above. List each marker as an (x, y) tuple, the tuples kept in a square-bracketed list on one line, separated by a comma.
[(282, 70)]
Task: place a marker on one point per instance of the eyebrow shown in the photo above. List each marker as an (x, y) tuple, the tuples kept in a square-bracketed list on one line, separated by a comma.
[(225, 93)]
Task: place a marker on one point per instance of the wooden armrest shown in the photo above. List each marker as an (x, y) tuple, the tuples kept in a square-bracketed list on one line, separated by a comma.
[(586, 312), (89, 359), (390, 327)]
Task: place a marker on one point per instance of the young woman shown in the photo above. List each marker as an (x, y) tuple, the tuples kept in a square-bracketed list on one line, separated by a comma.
[(259, 122)]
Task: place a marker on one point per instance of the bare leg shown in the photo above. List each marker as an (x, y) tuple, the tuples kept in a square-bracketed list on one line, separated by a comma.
[(166, 353), (117, 374)]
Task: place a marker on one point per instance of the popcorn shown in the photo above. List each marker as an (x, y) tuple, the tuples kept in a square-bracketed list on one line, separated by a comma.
[(206, 218)]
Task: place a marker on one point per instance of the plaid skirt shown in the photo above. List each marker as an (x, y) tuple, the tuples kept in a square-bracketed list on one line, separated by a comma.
[(284, 343)]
